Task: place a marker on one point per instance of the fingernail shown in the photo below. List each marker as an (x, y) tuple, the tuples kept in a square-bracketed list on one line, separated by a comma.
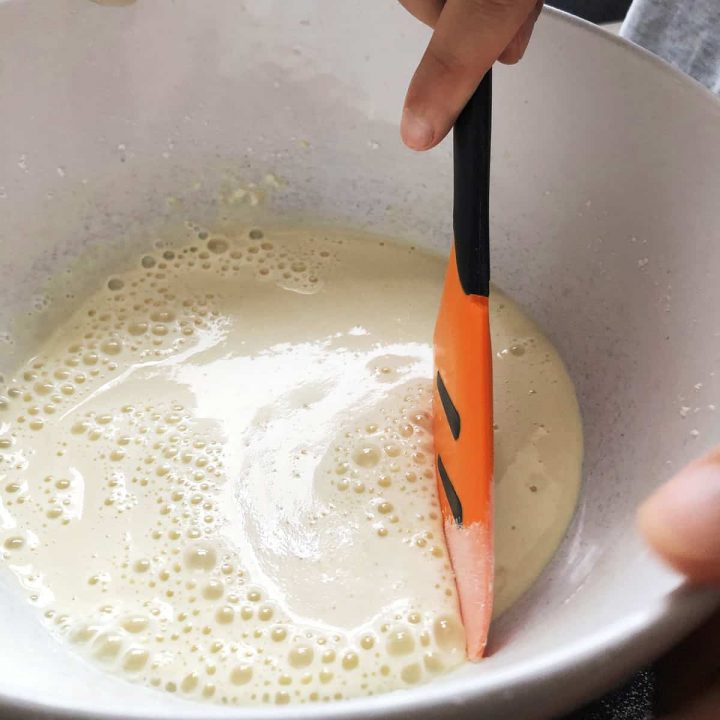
[(416, 131), (682, 518)]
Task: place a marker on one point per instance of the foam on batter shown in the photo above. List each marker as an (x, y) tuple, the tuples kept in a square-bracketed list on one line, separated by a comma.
[(216, 477)]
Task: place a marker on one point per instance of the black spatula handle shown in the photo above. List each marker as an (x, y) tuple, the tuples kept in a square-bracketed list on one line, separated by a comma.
[(471, 212)]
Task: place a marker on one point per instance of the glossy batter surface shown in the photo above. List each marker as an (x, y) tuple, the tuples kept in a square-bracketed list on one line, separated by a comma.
[(216, 476)]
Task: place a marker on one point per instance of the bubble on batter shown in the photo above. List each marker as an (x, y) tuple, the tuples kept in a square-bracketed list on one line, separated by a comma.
[(14, 543), (366, 456), (200, 557)]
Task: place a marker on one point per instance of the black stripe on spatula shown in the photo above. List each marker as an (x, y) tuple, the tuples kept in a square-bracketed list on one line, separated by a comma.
[(451, 412), (450, 494), (471, 219)]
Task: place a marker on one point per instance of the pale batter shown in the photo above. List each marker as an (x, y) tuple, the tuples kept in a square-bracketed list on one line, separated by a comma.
[(216, 478)]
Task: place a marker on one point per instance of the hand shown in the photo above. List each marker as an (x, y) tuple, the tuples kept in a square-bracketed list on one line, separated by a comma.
[(470, 35), (681, 521)]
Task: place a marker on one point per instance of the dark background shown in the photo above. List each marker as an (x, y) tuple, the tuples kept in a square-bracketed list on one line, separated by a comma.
[(599, 11)]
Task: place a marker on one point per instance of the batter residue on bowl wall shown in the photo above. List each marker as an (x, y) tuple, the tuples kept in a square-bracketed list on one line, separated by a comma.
[(216, 477)]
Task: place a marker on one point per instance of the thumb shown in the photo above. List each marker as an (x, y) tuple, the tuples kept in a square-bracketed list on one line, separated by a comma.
[(681, 521)]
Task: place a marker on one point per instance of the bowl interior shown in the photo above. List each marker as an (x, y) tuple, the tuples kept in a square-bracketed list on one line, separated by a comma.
[(122, 122)]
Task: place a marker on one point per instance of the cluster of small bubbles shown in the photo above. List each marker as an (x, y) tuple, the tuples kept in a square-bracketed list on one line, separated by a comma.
[(40, 302), (388, 459), (295, 265)]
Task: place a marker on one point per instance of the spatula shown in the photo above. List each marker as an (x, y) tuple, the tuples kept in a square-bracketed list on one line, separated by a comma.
[(462, 398)]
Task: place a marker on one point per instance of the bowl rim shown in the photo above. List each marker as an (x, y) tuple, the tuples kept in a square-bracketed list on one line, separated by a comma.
[(630, 641)]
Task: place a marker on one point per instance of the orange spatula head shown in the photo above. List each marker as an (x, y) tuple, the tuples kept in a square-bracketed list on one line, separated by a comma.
[(462, 398)]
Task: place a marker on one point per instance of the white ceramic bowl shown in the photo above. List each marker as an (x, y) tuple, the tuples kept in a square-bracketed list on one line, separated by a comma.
[(117, 121)]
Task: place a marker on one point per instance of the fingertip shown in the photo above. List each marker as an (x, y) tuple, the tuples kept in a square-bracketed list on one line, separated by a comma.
[(511, 55), (680, 521), (651, 524), (416, 131), (515, 51)]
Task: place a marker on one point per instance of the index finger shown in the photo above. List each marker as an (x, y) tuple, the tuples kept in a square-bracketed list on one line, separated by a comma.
[(469, 36)]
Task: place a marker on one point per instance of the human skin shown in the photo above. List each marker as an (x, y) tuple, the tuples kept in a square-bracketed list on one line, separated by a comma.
[(681, 522), (468, 37)]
